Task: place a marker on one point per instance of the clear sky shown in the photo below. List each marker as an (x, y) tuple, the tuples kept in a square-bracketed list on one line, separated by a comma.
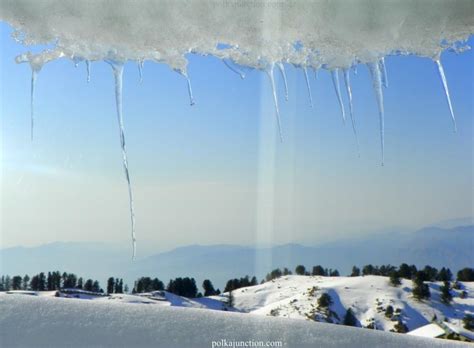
[(216, 172)]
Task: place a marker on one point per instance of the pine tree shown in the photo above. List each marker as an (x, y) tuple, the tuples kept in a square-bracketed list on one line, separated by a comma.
[(389, 311), (230, 299), (300, 270), (355, 271), (349, 318), (80, 283), (446, 296), (110, 285), (208, 288), (16, 283), (325, 300), (395, 278), (26, 282), (420, 289)]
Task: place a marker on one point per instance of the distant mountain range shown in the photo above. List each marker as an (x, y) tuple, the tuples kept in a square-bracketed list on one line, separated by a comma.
[(448, 247)]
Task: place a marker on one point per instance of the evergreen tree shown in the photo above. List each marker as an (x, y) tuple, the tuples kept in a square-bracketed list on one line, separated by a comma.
[(445, 275), (80, 283), (119, 286), (41, 282), (34, 284), (466, 275), (355, 271), (276, 273), (334, 273), (389, 311), (446, 296), (395, 278), (420, 289), (208, 288), (88, 285), (319, 271), (300, 270), (26, 282), (468, 322), (125, 289), (431, 273), (368, 270), (96, 286), (16, 282), (325, 300), (49, 282), (230, 299), (286, 271), (349, 318), (400, 327), (254, 281), (110, 285), (404, 271)]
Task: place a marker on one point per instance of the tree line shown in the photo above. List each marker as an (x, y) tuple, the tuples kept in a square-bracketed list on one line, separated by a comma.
[(187, 286)]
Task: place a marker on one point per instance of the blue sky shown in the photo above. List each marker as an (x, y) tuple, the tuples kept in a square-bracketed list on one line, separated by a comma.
[(216, 172)]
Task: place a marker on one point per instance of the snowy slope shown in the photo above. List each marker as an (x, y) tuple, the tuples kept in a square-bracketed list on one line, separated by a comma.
[(45, 321), (368, 296)]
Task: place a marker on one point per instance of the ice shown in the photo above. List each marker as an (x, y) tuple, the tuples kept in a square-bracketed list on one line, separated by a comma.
[(347, 83), (374, 69), (270, 73), (34, 74), (337, 89), (308, 86), (446, 90), (190, 89), (117, 68), (332, 35), (140, 70), (88, 68), (281, 67), (383, 70), (233, 69)]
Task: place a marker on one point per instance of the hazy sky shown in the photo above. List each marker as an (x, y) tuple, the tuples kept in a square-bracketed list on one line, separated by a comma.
[(216, 172)]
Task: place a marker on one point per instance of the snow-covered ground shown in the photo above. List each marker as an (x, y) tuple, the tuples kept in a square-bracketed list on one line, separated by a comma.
[(158, 319), (48, 321), (368, 297)]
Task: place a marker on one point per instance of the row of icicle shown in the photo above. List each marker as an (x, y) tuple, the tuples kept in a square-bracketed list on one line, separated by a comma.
[(379, 79)]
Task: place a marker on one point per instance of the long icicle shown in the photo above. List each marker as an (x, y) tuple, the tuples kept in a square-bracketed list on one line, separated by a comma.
[(446, 91), (281, 67), (383, 71), (308, 86), (347, 82), (270, 74), (34, 74), (118, 73), (337, 88), (88, 67), (234, 69), (140, 70), (190, 89), (374, 69)]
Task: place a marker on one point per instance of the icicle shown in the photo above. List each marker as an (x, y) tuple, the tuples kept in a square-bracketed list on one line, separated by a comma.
[(337, 88), (88, 67), (140, 70), (281, 67), (383, 70), (377, 85), (234, 69), (34, 74), (347, 82), (190, 90), (446, 90), (275, 99), (117, 68), (308, 86)]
